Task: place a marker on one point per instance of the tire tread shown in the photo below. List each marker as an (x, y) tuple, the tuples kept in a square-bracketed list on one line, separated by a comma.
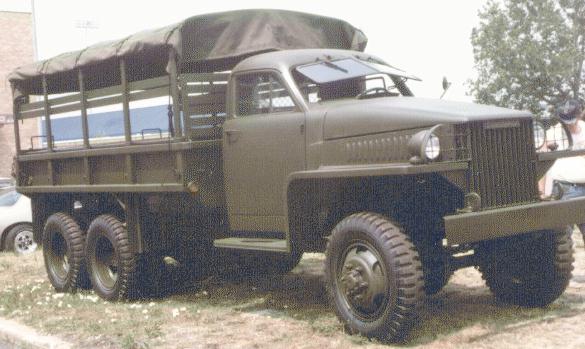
[(75, 239), (407, 268), (127, 283)]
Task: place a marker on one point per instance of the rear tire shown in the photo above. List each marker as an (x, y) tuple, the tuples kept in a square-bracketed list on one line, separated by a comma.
[(20, 239), (63, 251), (374, 277), (112, 264), (531, 270)]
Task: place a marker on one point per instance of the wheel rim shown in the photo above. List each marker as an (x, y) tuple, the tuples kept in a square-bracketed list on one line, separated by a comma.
[(57, 253), (106, 264), (24, 242), (362, 281)]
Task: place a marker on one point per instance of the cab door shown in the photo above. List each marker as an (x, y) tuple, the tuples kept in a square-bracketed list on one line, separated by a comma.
[(263, 142)]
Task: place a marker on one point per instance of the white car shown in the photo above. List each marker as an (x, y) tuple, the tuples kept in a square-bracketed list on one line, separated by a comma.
[(15, 222)]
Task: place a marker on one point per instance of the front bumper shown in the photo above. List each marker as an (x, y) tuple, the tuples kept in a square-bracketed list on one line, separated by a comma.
[(491, 224)]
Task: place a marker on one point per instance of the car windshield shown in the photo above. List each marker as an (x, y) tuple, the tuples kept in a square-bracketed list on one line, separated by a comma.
[(350, 78), (9, 198)]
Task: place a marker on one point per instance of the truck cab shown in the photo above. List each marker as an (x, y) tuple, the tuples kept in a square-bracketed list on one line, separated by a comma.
[(275, 124), (276, 120)]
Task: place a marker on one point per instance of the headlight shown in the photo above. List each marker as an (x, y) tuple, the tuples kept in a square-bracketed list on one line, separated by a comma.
[(432, 147), (539, 135), (424, 146)]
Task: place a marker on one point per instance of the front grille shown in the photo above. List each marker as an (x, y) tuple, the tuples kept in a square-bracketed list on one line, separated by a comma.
[(503, 162)]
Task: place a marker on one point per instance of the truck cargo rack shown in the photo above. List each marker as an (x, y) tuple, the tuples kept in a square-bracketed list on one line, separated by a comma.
[(196, 112)]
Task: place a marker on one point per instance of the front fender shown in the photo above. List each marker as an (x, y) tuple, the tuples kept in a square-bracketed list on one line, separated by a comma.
[(376, 170)]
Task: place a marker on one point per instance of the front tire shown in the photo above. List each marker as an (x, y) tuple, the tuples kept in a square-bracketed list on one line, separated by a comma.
[(111, 261), (436, 268), (63, 244), (374, 276), (530, 270)]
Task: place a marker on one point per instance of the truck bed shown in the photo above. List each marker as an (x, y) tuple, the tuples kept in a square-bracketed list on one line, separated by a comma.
[(187, 159)]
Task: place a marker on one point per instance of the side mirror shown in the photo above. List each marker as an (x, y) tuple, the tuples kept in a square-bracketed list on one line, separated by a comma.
[(446, 85)]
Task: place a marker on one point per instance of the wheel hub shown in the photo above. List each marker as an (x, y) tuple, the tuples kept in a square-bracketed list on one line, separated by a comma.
[(24, 242), (363, 281), (106, 266), (355, 285)]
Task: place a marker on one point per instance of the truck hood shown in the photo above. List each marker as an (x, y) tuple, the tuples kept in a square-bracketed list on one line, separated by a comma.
[(349, 118)]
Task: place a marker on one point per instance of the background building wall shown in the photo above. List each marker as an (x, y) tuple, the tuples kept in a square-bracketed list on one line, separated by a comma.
[(16, 49)]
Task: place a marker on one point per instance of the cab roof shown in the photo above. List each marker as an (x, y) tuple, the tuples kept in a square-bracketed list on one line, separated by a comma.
[(285, 60)]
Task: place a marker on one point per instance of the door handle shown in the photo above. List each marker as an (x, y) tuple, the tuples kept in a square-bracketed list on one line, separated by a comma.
[(232, 135)]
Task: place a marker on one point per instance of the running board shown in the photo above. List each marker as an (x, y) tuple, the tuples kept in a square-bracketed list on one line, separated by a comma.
[(272, 245)]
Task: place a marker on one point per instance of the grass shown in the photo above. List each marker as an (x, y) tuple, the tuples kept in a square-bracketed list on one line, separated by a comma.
[(26, 295), (275, 311)]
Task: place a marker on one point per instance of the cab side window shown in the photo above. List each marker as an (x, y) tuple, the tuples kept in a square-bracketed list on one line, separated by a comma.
[(262, 93)]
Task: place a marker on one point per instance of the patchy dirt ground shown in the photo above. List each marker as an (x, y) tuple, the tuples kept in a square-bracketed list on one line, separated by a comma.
[(282, 312)]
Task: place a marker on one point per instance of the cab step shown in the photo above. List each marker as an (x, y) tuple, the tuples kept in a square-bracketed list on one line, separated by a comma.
[(258, 244)]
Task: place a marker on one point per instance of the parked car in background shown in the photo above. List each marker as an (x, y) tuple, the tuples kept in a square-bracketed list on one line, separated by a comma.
[(15, 222), (6, 182)]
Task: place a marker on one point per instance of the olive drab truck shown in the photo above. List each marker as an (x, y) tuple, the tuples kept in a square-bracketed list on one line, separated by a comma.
[(266, 134)]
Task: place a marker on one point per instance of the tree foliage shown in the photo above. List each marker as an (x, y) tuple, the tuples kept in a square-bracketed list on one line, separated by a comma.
[(529, 53)]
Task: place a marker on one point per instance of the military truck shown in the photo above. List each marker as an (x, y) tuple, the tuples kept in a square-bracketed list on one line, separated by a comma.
[(281, 136)]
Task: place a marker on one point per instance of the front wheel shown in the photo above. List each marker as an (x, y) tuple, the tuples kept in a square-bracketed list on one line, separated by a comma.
[(530, 270), (374, 276)]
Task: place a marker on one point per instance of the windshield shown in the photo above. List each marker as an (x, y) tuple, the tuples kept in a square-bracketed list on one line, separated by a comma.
[(343, 69), (350, 78)]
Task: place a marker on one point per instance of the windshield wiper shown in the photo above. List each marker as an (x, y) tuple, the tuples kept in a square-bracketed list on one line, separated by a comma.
[(335, 66)]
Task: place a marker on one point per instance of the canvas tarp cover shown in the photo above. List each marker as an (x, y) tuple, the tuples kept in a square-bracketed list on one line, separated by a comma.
[(201, 43)]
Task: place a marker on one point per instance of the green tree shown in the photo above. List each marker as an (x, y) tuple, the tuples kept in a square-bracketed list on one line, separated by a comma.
[(529, 53)]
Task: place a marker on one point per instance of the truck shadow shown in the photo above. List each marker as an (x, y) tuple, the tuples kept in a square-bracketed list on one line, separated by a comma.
[(301, 296)]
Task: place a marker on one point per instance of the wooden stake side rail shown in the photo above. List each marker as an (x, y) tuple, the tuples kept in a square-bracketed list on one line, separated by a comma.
[(110, 188), (138, 90), (197, 106), (204, 104), (173, 167), (202, 107), (146, 147)]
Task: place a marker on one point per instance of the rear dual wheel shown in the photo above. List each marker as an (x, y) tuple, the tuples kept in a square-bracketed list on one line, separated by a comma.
[(111, 260), (116, 271), (63, 251), (103, 257)]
